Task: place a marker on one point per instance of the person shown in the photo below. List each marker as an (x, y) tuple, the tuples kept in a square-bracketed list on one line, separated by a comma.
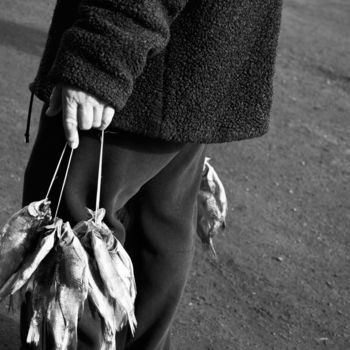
[(163, 79)]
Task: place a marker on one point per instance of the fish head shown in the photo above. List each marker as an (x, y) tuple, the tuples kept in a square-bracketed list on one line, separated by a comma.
[(67, 234), (99, 215), (206, 166), (98, 227), (40, 209), (58, 227)]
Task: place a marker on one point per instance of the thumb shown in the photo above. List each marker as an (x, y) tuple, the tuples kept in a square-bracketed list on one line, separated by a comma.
[(55, 104)]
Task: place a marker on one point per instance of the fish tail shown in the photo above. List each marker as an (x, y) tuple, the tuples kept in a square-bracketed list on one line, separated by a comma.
[(108, 331), (132, 322), (108, 345), (66, 338), (212, 249), (34, 331)]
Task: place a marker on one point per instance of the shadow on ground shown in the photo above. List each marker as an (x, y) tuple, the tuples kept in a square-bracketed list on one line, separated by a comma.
[(22, 37)]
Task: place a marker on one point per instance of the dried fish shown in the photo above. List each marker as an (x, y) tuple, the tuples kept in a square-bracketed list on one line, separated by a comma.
[(56, 326), (104, 306), (120, 257), (58, 298), (19, 237), (124, 267), (114, 265), (72, 288), (31, 262), (112, 280), (212, 206), (95, 223), (43, 291)]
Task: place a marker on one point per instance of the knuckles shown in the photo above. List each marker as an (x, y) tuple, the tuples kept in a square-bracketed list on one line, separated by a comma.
[(81, 106)]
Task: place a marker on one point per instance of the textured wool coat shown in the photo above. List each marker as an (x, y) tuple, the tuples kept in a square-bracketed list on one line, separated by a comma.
[(187, 71)]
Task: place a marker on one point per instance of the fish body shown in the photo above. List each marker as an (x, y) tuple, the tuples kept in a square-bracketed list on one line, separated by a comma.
[(124, 267), (111, 321), (120, 257), (72, 289), (114, 268), (212, 206), (56, 327), (95, 223), (18, 236), (43, 290), (112, 280), (31, 262)]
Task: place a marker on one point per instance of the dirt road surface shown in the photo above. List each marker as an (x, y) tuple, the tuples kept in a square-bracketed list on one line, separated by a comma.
[(283, 278)]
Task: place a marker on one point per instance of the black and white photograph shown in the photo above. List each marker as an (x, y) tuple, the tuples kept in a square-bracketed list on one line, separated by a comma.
[(175, 175)]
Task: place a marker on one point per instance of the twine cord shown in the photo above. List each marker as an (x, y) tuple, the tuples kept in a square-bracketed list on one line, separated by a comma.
[(99, 176), (63, 184), (56, 171)]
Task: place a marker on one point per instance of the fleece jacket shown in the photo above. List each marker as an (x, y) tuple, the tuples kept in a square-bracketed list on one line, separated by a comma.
[(179, 70)]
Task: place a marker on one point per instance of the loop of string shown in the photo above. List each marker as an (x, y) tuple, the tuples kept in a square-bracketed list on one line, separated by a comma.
[(99, 176), (64, 182), (56, 171)]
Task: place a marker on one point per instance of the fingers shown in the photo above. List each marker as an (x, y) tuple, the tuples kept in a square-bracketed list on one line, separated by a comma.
[(82, 111), (70, 122), (108, 114), (98, 111), (85, 116), (55, 104)]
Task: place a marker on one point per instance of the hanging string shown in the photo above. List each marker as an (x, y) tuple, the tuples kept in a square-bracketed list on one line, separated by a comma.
[(63, 184), (26, 135), (99, 176), (56, 171)]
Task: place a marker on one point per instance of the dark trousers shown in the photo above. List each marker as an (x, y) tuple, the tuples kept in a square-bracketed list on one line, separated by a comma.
[(158, 182)]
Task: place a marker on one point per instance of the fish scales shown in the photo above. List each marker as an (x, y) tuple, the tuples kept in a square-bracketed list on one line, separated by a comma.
[(124, 266), (112, 267), (105, 308), (18, 237), (42, 292), (32, 261), (111, 278), (72, 287), (212, 206)]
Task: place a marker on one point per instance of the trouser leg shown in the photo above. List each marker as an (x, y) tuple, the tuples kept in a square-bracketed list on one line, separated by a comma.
[(160, 241), (131, 165)]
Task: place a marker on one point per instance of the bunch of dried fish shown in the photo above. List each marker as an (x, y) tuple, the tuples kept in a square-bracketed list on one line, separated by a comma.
[(115, 269), (212, 206), (19, 235), (42, 286), (62, 268), (71, 279)]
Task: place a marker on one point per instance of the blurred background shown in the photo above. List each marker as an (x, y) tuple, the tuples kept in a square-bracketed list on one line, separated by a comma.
[(282, 280)]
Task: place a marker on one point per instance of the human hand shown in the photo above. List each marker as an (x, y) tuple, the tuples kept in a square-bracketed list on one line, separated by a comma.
[(79, 110)]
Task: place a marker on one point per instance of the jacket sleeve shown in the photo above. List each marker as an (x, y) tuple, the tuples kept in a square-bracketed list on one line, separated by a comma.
[(107, 47)]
